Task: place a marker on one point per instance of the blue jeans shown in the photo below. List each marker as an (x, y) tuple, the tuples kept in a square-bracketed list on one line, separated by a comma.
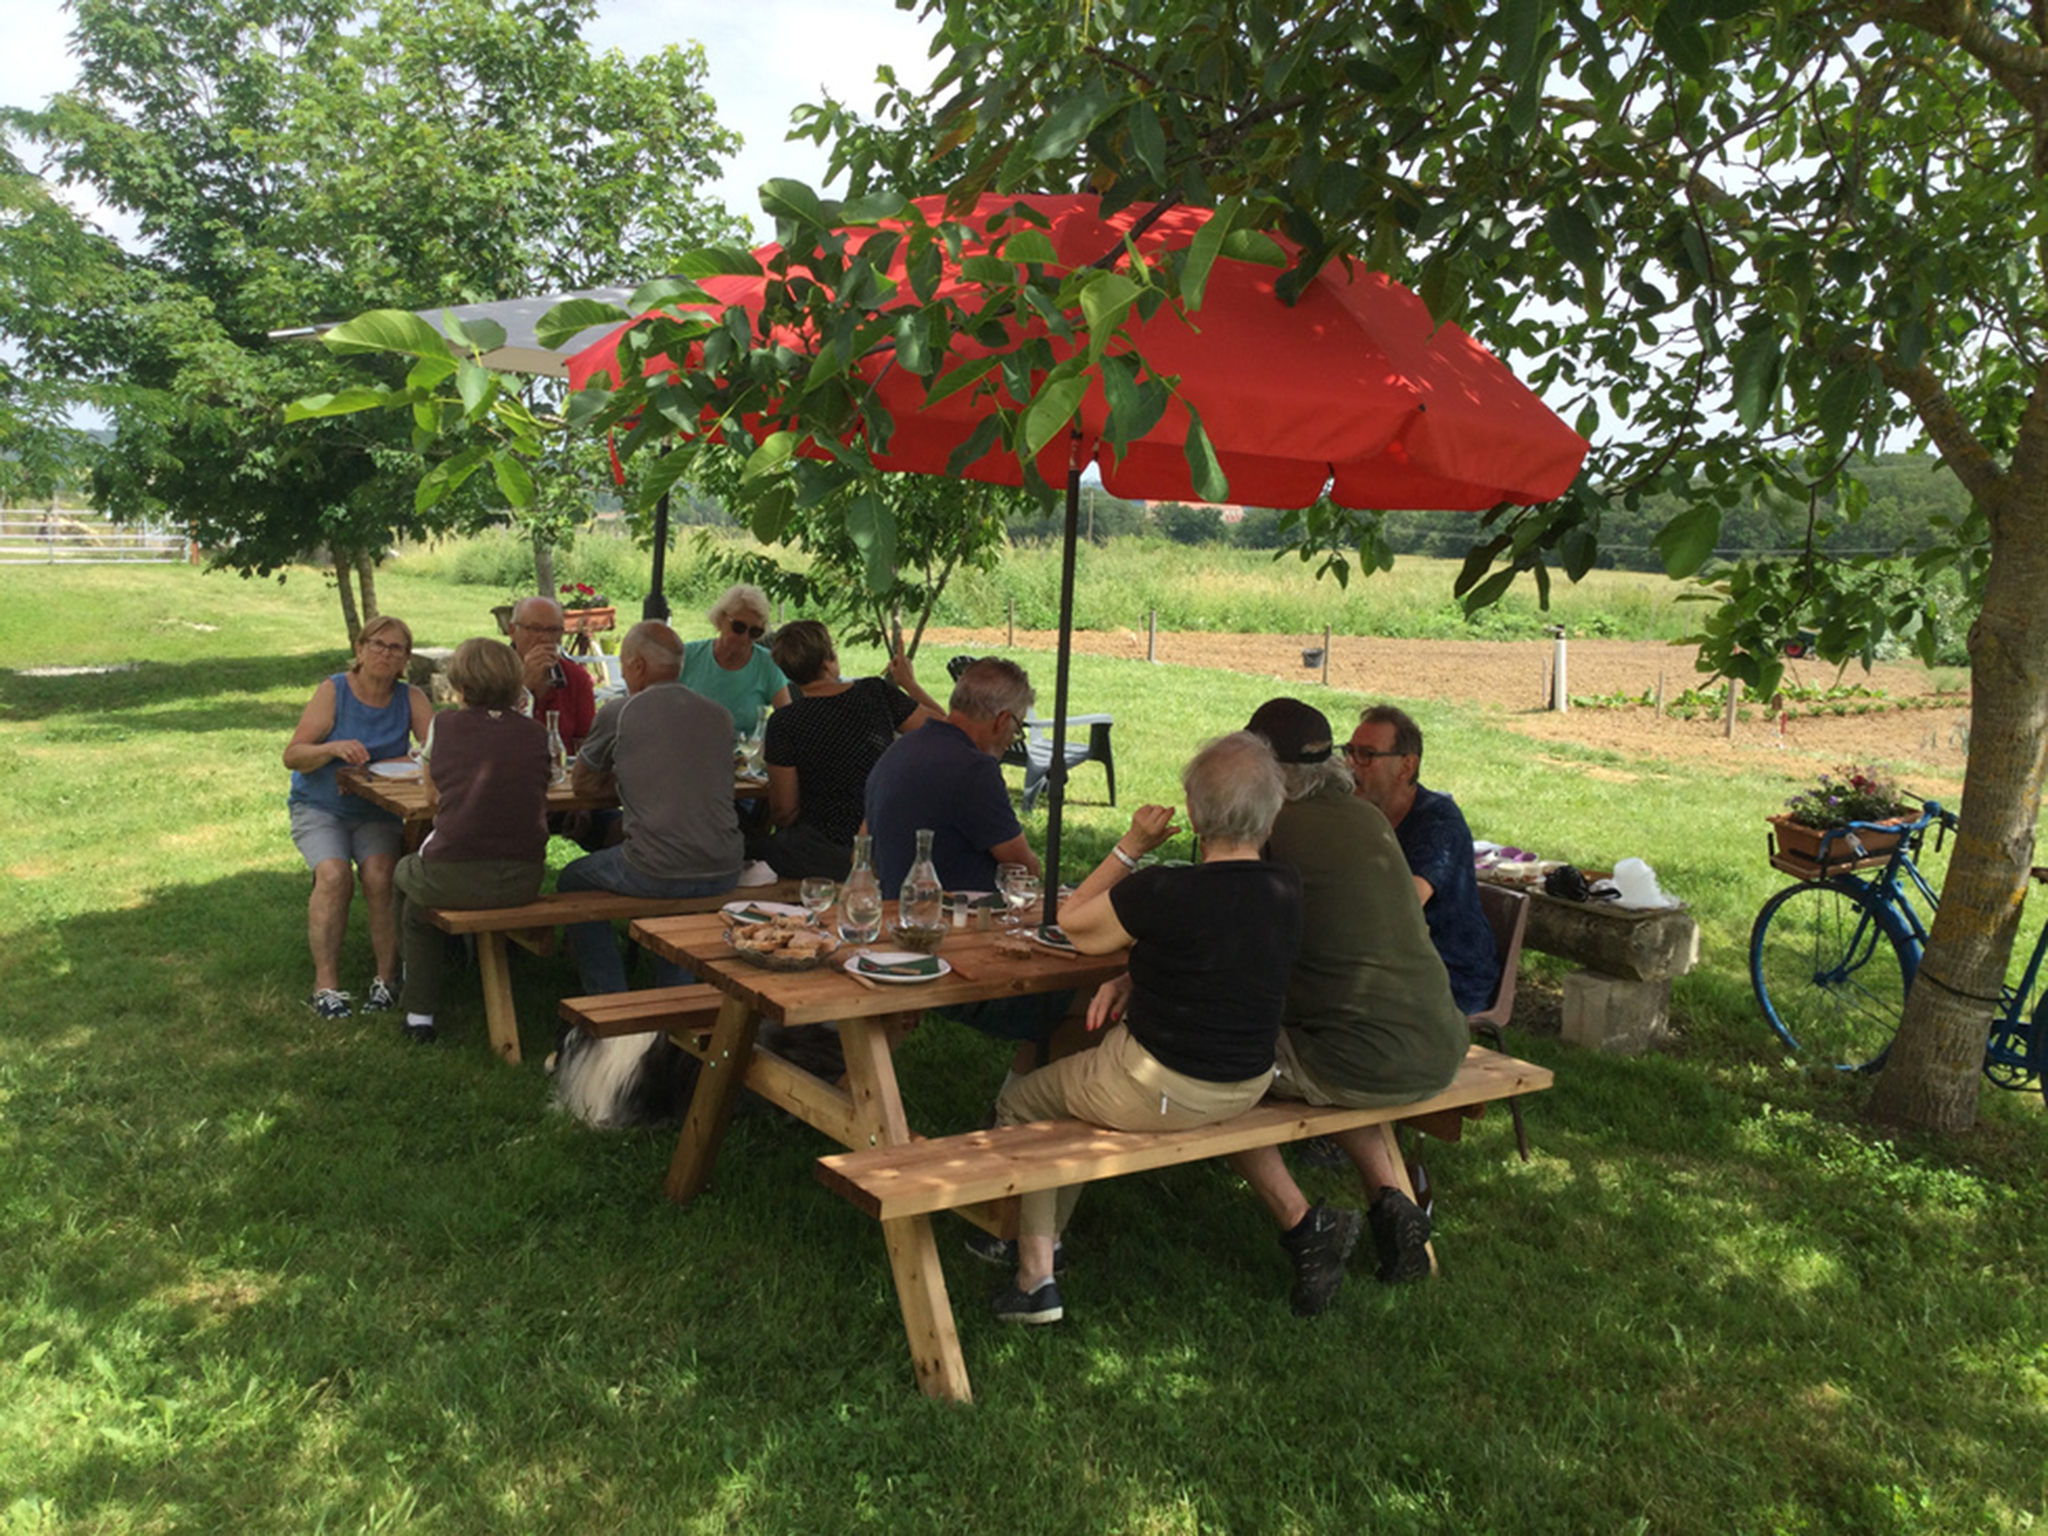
[(596, 947)]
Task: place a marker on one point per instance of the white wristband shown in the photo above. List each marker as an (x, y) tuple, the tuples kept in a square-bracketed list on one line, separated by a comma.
[(1121, 857)]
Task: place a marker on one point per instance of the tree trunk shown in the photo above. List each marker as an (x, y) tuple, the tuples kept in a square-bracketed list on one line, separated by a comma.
[(543, 565), (344, 581), (1930, 1079), (366, 581)]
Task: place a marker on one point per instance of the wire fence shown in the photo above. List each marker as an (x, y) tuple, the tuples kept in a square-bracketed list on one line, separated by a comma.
[(73, 538)]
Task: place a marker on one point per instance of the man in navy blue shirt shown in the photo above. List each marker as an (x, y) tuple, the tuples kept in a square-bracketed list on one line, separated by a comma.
[(1386, 762), (947, 777)]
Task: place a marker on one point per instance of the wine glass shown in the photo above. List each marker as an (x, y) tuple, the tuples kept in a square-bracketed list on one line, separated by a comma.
[(818, 895), (1021, 891), (1004, 874)]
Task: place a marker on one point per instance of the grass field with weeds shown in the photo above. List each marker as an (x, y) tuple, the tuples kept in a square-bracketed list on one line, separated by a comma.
[(263, 1273)]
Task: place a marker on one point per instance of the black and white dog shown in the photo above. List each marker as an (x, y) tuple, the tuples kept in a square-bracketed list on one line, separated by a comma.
[(622, 1081), (629, 1080)]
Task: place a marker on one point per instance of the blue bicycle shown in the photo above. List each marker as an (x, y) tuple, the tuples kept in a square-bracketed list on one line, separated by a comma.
[(1833, 957)]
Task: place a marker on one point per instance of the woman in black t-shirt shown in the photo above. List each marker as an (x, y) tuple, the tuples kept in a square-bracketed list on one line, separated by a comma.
[(1193, 1022), (820, 748)]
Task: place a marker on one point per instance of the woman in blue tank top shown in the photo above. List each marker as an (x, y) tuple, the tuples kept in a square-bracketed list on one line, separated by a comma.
[(363, 715)]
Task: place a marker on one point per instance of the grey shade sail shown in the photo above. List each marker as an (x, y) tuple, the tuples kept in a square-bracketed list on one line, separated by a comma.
[(522, 352)]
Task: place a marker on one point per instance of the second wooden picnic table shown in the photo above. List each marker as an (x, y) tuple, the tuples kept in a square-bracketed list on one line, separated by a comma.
[(867, 1111)]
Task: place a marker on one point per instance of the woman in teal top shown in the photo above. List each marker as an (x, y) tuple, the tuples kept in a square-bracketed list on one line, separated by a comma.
[(363, 715), (730, 667)]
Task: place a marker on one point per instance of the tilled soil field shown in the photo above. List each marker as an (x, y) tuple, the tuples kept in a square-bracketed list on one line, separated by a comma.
[(1506, 677)]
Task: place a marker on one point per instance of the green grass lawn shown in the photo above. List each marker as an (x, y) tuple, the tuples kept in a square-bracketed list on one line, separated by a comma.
[(263, 1273)]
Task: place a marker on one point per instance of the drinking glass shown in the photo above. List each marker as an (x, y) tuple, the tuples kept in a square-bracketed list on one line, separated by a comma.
[(860, 915), (818, 896), (1021, 891)]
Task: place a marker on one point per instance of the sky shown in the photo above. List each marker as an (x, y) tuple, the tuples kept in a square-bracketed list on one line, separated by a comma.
[(764, 57)]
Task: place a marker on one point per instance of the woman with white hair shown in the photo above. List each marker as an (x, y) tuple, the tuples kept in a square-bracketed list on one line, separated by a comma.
[(1193, 1023), (730, 667)]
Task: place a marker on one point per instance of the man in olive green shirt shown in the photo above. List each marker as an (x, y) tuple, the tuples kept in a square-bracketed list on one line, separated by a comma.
[(1370, 1017)]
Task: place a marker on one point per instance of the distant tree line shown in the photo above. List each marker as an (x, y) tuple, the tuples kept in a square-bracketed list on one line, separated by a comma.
[(1909, 499)]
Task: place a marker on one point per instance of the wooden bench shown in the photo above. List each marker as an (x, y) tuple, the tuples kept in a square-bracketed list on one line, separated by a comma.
[(532, 924), (970, 1173), (684, 1010)]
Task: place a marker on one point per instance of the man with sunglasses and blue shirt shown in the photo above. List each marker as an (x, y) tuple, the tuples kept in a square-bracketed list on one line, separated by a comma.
[(1385, 753)]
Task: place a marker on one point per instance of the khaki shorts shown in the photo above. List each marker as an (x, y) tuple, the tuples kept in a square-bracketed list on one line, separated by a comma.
[(1122, 1085)]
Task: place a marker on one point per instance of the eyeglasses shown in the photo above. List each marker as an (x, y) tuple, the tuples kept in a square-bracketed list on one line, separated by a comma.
[(1367, 754), (538, 629), (388, 647), (751, 631)]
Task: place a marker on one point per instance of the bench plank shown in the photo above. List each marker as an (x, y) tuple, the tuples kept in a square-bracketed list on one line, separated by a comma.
[(532, 925), (665, 1010), (892, 1182)]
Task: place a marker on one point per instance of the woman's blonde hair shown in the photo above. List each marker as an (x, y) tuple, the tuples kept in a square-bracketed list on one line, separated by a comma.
[(487, 673), (743, 596), (375, 628)]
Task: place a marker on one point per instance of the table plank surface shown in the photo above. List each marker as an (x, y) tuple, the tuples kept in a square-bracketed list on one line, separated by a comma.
[(810, 997), (411, 801)]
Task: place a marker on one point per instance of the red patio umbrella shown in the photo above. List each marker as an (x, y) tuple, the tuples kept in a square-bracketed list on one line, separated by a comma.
[(1350, 392)]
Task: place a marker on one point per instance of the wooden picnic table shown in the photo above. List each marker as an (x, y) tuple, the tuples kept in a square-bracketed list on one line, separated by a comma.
[(413, 802), (867, 1110)]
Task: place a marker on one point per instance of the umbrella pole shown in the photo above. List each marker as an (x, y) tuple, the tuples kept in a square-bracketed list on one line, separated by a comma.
[(1056, 770), (656, 605)]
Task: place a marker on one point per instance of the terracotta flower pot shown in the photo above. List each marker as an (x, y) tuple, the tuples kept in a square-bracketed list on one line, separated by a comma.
[(1796, 847)]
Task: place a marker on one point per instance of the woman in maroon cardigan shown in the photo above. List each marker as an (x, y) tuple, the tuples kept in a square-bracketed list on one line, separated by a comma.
[(488, 767)]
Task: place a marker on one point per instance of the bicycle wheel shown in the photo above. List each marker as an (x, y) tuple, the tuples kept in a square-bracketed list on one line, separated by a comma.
[(1831, 965)]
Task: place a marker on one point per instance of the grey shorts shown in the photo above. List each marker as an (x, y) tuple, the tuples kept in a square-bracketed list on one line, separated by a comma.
[(322, 835)]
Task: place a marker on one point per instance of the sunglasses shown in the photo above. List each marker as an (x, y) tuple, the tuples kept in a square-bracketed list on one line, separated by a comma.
[(751, 631), (1367, 754)]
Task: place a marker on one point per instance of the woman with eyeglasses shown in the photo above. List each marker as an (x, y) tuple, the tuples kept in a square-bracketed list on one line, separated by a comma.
[(730, 667), (364, 715)]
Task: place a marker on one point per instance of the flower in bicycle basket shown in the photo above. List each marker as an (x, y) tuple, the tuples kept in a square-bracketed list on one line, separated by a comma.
[(577, 594), (1853, 792)]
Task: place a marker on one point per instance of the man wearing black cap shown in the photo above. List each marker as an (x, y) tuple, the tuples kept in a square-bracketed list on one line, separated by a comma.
[(1370, 1019)]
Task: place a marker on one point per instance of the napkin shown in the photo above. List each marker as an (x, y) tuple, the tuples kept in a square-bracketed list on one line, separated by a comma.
[(924, 965)]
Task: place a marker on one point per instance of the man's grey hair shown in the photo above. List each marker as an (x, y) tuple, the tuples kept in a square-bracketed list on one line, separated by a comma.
[(990, 687), (656, 644), (1233, 789), (1304, 779), (1407, 734)]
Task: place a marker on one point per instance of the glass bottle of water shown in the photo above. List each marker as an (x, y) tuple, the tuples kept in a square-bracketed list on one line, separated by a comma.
[(921, 904), (860, 898), (558, 756)]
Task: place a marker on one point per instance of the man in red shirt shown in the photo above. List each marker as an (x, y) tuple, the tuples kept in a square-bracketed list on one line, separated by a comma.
[(552, 682)]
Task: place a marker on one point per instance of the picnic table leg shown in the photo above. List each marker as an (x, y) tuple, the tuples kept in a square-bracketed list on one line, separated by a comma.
[(1400, 1166), (718, 1089), (913, 1254), (501, 1017)]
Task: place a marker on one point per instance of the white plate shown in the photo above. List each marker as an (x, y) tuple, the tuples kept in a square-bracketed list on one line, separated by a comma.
[(863, 966), (760, 911), (1042, 935), (396, 768)]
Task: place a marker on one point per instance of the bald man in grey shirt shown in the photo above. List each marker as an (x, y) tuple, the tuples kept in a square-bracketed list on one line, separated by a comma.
[(667, 753)]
